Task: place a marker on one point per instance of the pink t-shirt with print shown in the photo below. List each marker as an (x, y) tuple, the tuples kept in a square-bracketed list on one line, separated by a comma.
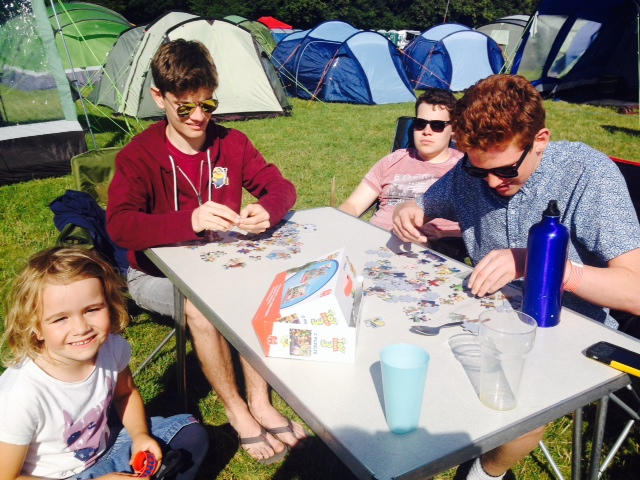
[(403, 175)]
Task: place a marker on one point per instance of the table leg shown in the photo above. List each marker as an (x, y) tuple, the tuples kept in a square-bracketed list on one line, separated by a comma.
[(181, 345), (598, 435), (576, 448)]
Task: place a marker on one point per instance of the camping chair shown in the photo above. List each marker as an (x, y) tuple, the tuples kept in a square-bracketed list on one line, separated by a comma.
[(631, 173), (93, 172), (403, 136), (629, 325)]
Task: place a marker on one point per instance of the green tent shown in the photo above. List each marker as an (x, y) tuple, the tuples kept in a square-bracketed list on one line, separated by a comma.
[(84, 34), (235, 19), (260, 31), (89, 32)]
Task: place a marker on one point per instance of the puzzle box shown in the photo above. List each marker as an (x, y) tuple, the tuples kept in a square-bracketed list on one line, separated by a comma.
[(311, 312)]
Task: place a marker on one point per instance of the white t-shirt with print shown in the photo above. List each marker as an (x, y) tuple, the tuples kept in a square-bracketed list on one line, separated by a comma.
[(64, 423)]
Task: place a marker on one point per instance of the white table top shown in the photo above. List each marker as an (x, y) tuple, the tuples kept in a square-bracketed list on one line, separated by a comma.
[(341, 402)]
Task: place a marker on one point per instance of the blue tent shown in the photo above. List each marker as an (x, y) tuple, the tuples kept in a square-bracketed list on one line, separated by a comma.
[(582, 49), (440, 31), (279, 33), (451, 56), (336, 62)]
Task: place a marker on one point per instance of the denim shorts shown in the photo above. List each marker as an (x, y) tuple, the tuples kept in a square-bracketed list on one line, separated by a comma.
[(118, 454), (151, 293)]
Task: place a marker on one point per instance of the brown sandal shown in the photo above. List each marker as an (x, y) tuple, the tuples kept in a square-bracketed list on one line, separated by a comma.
[(288, 428), (262, 438)]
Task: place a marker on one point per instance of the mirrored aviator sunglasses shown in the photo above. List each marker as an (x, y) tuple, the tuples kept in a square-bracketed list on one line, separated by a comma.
[(437, 126), (207, 106)]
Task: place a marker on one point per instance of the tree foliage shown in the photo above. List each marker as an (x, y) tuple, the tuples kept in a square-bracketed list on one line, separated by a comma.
[(364, 14)]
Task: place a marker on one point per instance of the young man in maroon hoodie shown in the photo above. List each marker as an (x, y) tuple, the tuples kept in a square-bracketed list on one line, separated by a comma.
[(179, 178)]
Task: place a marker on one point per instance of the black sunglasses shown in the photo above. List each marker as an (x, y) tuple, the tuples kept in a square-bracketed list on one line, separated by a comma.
[(437, 126), (207, 106), (503, 172)]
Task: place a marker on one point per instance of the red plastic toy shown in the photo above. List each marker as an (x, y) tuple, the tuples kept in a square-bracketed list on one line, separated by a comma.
[(144, 463)]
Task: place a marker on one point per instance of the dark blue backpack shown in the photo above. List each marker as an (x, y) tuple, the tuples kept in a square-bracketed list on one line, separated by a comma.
[(81, 221)]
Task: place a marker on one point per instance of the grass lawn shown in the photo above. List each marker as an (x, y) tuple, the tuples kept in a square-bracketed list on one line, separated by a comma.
[(316, 143)]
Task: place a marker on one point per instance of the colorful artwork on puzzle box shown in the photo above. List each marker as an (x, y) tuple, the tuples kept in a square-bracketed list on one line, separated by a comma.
[(306, 312)]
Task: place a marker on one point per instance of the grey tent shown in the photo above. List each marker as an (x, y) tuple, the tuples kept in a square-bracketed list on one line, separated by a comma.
[(507, 32), (248, 85), (116, 69), (39, 128), (125, 71)]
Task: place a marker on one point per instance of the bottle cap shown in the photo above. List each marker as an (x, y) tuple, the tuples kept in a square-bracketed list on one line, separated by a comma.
[(552, 209), (144, 463)]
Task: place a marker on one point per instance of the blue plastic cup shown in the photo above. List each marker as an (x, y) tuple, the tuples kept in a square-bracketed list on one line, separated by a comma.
[(404, 371)]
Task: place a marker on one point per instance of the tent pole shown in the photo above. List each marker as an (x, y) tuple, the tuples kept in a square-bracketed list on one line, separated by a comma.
[(75, 75), (446, 10)]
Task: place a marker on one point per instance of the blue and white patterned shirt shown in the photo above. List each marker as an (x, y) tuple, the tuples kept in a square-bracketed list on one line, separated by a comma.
[(592, 197)]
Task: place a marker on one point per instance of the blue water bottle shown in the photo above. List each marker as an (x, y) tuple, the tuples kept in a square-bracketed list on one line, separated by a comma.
[(547, 249)]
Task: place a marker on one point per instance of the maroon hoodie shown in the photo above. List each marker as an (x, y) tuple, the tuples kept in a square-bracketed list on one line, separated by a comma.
[(141, 212)]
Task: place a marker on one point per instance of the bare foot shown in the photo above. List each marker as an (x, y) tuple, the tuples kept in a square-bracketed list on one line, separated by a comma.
[(261, 445), (285, 430)]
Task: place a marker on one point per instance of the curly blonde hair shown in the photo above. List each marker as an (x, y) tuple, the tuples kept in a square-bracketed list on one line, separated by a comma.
[(496, 110), (61, 266)]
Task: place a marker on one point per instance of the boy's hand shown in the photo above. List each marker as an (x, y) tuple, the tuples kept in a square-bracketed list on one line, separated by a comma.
[(254, 218), (496, 269), (145, 443), (213, 216), (407, 219)]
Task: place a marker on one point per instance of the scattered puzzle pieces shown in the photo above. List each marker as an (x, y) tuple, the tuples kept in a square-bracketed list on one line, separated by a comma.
[(282, 242), (425, 282), (374, 322)]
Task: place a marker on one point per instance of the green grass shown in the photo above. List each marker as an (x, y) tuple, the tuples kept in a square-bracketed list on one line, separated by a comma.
[(318, 142)]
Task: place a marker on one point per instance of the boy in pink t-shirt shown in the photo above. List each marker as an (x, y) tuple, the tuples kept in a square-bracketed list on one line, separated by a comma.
[(408, 172)]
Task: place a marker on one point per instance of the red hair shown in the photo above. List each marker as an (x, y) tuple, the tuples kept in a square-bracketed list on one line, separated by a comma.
[(496, 110)]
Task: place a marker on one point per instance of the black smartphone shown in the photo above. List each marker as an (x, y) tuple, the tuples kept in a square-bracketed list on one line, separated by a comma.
[(617, 357)]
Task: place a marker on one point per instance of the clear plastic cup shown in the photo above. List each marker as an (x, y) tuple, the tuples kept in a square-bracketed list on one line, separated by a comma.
[(466, 349), (506, 337), (404, 371)]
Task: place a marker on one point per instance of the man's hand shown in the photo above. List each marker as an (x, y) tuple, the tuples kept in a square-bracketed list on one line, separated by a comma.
[(213, 216), (497, 269), (254, 218), (408, 217)]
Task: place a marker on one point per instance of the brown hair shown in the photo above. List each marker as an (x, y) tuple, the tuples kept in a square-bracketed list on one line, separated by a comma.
[(54, 265), (182, 66), (437, 96), (498, 109)]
